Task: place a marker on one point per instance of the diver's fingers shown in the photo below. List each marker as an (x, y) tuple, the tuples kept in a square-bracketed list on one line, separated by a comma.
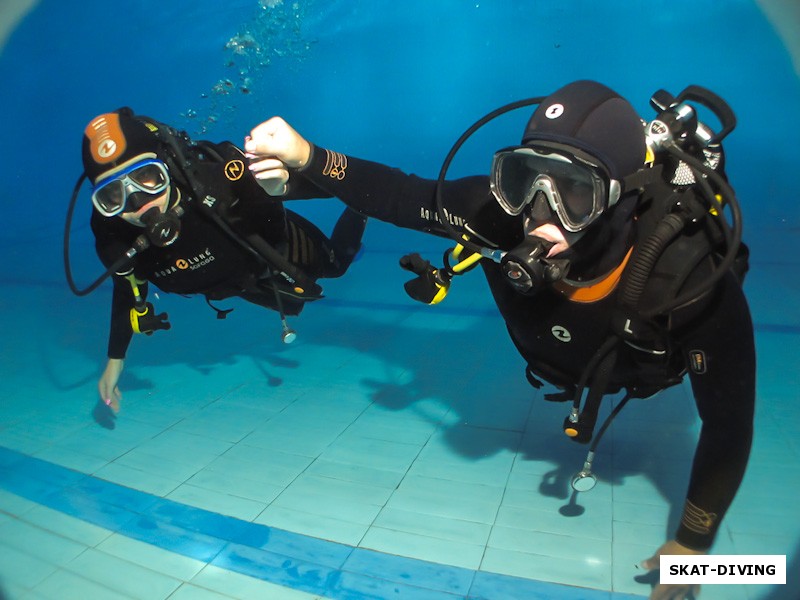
[(280, 174), (259, 164), (274, 187), (273, 181), (276, 138), (114, 402)]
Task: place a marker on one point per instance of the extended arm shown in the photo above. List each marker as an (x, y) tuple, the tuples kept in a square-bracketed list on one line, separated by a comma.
[(245, 186), (373, 189), (110, 245), (720, 354), (119, 338), (724, 389)]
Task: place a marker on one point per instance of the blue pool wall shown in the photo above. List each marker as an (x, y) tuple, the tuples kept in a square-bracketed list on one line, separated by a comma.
[(396, 82)]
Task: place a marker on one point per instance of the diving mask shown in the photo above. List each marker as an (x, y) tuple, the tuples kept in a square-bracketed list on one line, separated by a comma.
[(577, 186), (150, 176)]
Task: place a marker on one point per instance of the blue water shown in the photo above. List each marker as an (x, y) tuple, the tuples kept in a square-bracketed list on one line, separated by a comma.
[(398, 83)]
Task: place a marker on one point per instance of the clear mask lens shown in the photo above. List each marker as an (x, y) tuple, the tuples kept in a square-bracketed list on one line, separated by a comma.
[(575, 191), (111, 197), (150, 177)]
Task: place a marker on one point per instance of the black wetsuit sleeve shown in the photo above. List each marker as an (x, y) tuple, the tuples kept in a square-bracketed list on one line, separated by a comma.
[(300, 188), (388, 194), (111, 242), (247, 187), (120, 332), (720, 352)]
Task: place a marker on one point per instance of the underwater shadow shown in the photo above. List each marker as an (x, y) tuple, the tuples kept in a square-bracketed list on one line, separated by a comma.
[(197, 340), (460, 357), (493, 394)]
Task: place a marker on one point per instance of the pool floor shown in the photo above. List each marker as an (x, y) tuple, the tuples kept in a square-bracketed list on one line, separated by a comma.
[(393, 451)]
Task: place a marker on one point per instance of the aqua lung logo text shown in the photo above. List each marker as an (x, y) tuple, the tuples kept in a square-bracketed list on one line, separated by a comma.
[(561, 333), (187, 264), (432, 215)]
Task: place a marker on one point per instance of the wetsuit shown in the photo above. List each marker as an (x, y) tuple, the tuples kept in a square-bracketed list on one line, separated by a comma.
[(206, 260), (714, 344)]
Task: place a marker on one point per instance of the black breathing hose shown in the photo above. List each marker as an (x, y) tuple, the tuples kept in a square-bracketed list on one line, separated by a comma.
[(451, 231), (590, 367), (732, 233), (140, 244), (646, 257)]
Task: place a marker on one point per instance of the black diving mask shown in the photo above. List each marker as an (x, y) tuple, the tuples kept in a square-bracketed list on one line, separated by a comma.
[(577, 186)]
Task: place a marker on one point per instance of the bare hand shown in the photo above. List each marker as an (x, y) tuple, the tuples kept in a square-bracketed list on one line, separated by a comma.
[(672, 591), (107, 386), (271, 174), (273, 147)]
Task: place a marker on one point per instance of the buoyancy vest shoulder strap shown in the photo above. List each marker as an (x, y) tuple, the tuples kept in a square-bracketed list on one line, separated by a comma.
[(216, 201)]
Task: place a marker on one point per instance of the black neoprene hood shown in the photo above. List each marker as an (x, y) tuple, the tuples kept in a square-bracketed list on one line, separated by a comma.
[(594, 118), (112, 139)]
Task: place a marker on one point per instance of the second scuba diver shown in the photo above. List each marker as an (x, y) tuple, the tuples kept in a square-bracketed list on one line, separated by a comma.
[(603, 241), (190, 218)]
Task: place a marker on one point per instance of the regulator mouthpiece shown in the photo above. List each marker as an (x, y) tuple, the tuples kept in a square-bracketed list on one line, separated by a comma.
[(162, 228)]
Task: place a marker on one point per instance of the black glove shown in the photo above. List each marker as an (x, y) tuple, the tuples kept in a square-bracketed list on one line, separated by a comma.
[(430, 286), (147, 322)]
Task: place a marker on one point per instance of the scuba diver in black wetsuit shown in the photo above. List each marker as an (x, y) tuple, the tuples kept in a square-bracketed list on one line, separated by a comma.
[(190, 218), (604, 242)]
